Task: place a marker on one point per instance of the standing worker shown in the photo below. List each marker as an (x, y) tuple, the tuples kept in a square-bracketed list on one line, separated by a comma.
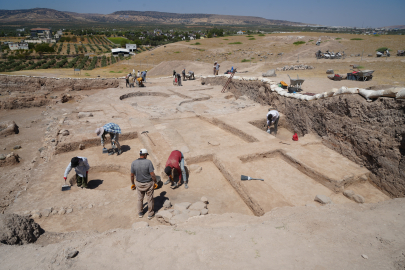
[(139, 74), (127, 80), (217, 68), (81, 166), (176, 161), (114, 130), (131, 81), (143, 169), (144, 75), (178, 79), (183, 72), (272, 118)]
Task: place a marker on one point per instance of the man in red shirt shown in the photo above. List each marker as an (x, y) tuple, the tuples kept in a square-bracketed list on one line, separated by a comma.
[(176, 162)]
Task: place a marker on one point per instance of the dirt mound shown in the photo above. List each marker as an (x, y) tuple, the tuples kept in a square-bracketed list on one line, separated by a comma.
[(8, 128), (18, 230)]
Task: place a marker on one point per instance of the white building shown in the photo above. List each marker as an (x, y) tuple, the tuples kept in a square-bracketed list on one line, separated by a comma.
[(118, 51), (240, 32), (130, 47), (18, 46)]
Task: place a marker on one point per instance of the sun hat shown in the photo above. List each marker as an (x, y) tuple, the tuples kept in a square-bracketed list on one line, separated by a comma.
[(100, 131)]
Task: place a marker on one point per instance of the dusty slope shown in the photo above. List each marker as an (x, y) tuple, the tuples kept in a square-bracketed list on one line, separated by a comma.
[(328, 237)]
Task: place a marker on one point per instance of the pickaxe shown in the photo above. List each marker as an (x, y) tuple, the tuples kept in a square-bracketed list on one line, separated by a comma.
[(146, 133)]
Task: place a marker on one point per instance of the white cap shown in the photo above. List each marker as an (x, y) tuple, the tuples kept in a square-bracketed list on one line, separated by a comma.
[(144, 152)]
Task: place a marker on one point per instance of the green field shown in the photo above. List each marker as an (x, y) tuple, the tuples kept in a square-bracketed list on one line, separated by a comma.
[(118, 40)]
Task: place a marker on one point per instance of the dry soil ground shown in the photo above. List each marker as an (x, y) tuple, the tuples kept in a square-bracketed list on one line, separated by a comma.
[(274, 224)]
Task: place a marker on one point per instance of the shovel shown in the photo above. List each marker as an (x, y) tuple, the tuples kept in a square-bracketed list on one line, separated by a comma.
[(65, 187), (246, 178)]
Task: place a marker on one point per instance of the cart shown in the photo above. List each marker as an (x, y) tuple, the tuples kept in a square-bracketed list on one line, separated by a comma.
[(295, 84)]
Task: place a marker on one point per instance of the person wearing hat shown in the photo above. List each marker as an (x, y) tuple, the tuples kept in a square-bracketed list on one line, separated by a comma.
[(81, 166), (139, 74), (143, 169), (183, 73), (114, 130), (272, 118), (175, 162)]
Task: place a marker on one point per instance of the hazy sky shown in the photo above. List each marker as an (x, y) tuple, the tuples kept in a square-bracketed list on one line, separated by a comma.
[(359, 13)]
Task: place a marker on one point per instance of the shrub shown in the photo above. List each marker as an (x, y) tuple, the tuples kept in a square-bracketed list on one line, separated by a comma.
[(235, 43), (249, 36), (356, 39), (261, 35), (252, 38), (299, 42), (197, 43), (338, 38), (382, 49), (245, 60)]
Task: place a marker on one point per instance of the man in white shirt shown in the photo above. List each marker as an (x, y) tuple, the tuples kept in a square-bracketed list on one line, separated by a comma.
[(81, 166), (272, 118)]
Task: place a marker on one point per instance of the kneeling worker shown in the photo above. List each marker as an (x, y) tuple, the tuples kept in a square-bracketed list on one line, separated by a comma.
[(176, 161), (81, 166), (143, 169), (114, 130), (272, 118)]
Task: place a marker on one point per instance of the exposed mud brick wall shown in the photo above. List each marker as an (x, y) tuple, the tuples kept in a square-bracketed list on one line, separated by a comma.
[(86, 143), (31, 84), (369, 133)]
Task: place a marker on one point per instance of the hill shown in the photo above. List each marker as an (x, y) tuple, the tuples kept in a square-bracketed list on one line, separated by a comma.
[(152, 17)]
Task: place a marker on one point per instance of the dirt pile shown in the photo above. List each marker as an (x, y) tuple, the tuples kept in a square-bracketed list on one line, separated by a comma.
[(8, 128), (8, 160), (32, 84), (18, 230), (371, 134)]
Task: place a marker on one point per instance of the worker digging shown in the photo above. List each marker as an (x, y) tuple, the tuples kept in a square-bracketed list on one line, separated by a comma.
[(143, 170), (81, 166), (175, 166), (272, 118), (114, 130)]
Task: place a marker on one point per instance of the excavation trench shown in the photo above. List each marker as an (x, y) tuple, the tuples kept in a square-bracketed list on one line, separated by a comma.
[(371, 134)]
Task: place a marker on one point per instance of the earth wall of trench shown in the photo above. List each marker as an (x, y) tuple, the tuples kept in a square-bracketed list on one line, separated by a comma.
[(32, 84), (371, 134)]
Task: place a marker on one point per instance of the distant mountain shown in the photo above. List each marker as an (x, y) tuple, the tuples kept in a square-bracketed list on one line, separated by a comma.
[(54, 16)]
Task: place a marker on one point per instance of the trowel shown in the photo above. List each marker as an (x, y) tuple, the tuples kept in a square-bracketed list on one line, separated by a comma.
[(65, 187), (246, 178)]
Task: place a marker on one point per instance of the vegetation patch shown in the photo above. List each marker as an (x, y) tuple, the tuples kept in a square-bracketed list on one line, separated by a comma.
[(299, 42), (310, 40), (226, 39), (338, 38), (376, 35), (261, 35), (249, 36), (356, 39), (382, 49), (252, 38), (235, 43), (197, 43), (245, 60), (177, 52)]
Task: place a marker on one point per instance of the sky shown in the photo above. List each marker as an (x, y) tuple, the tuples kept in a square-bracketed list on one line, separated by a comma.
[(372, 13)]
